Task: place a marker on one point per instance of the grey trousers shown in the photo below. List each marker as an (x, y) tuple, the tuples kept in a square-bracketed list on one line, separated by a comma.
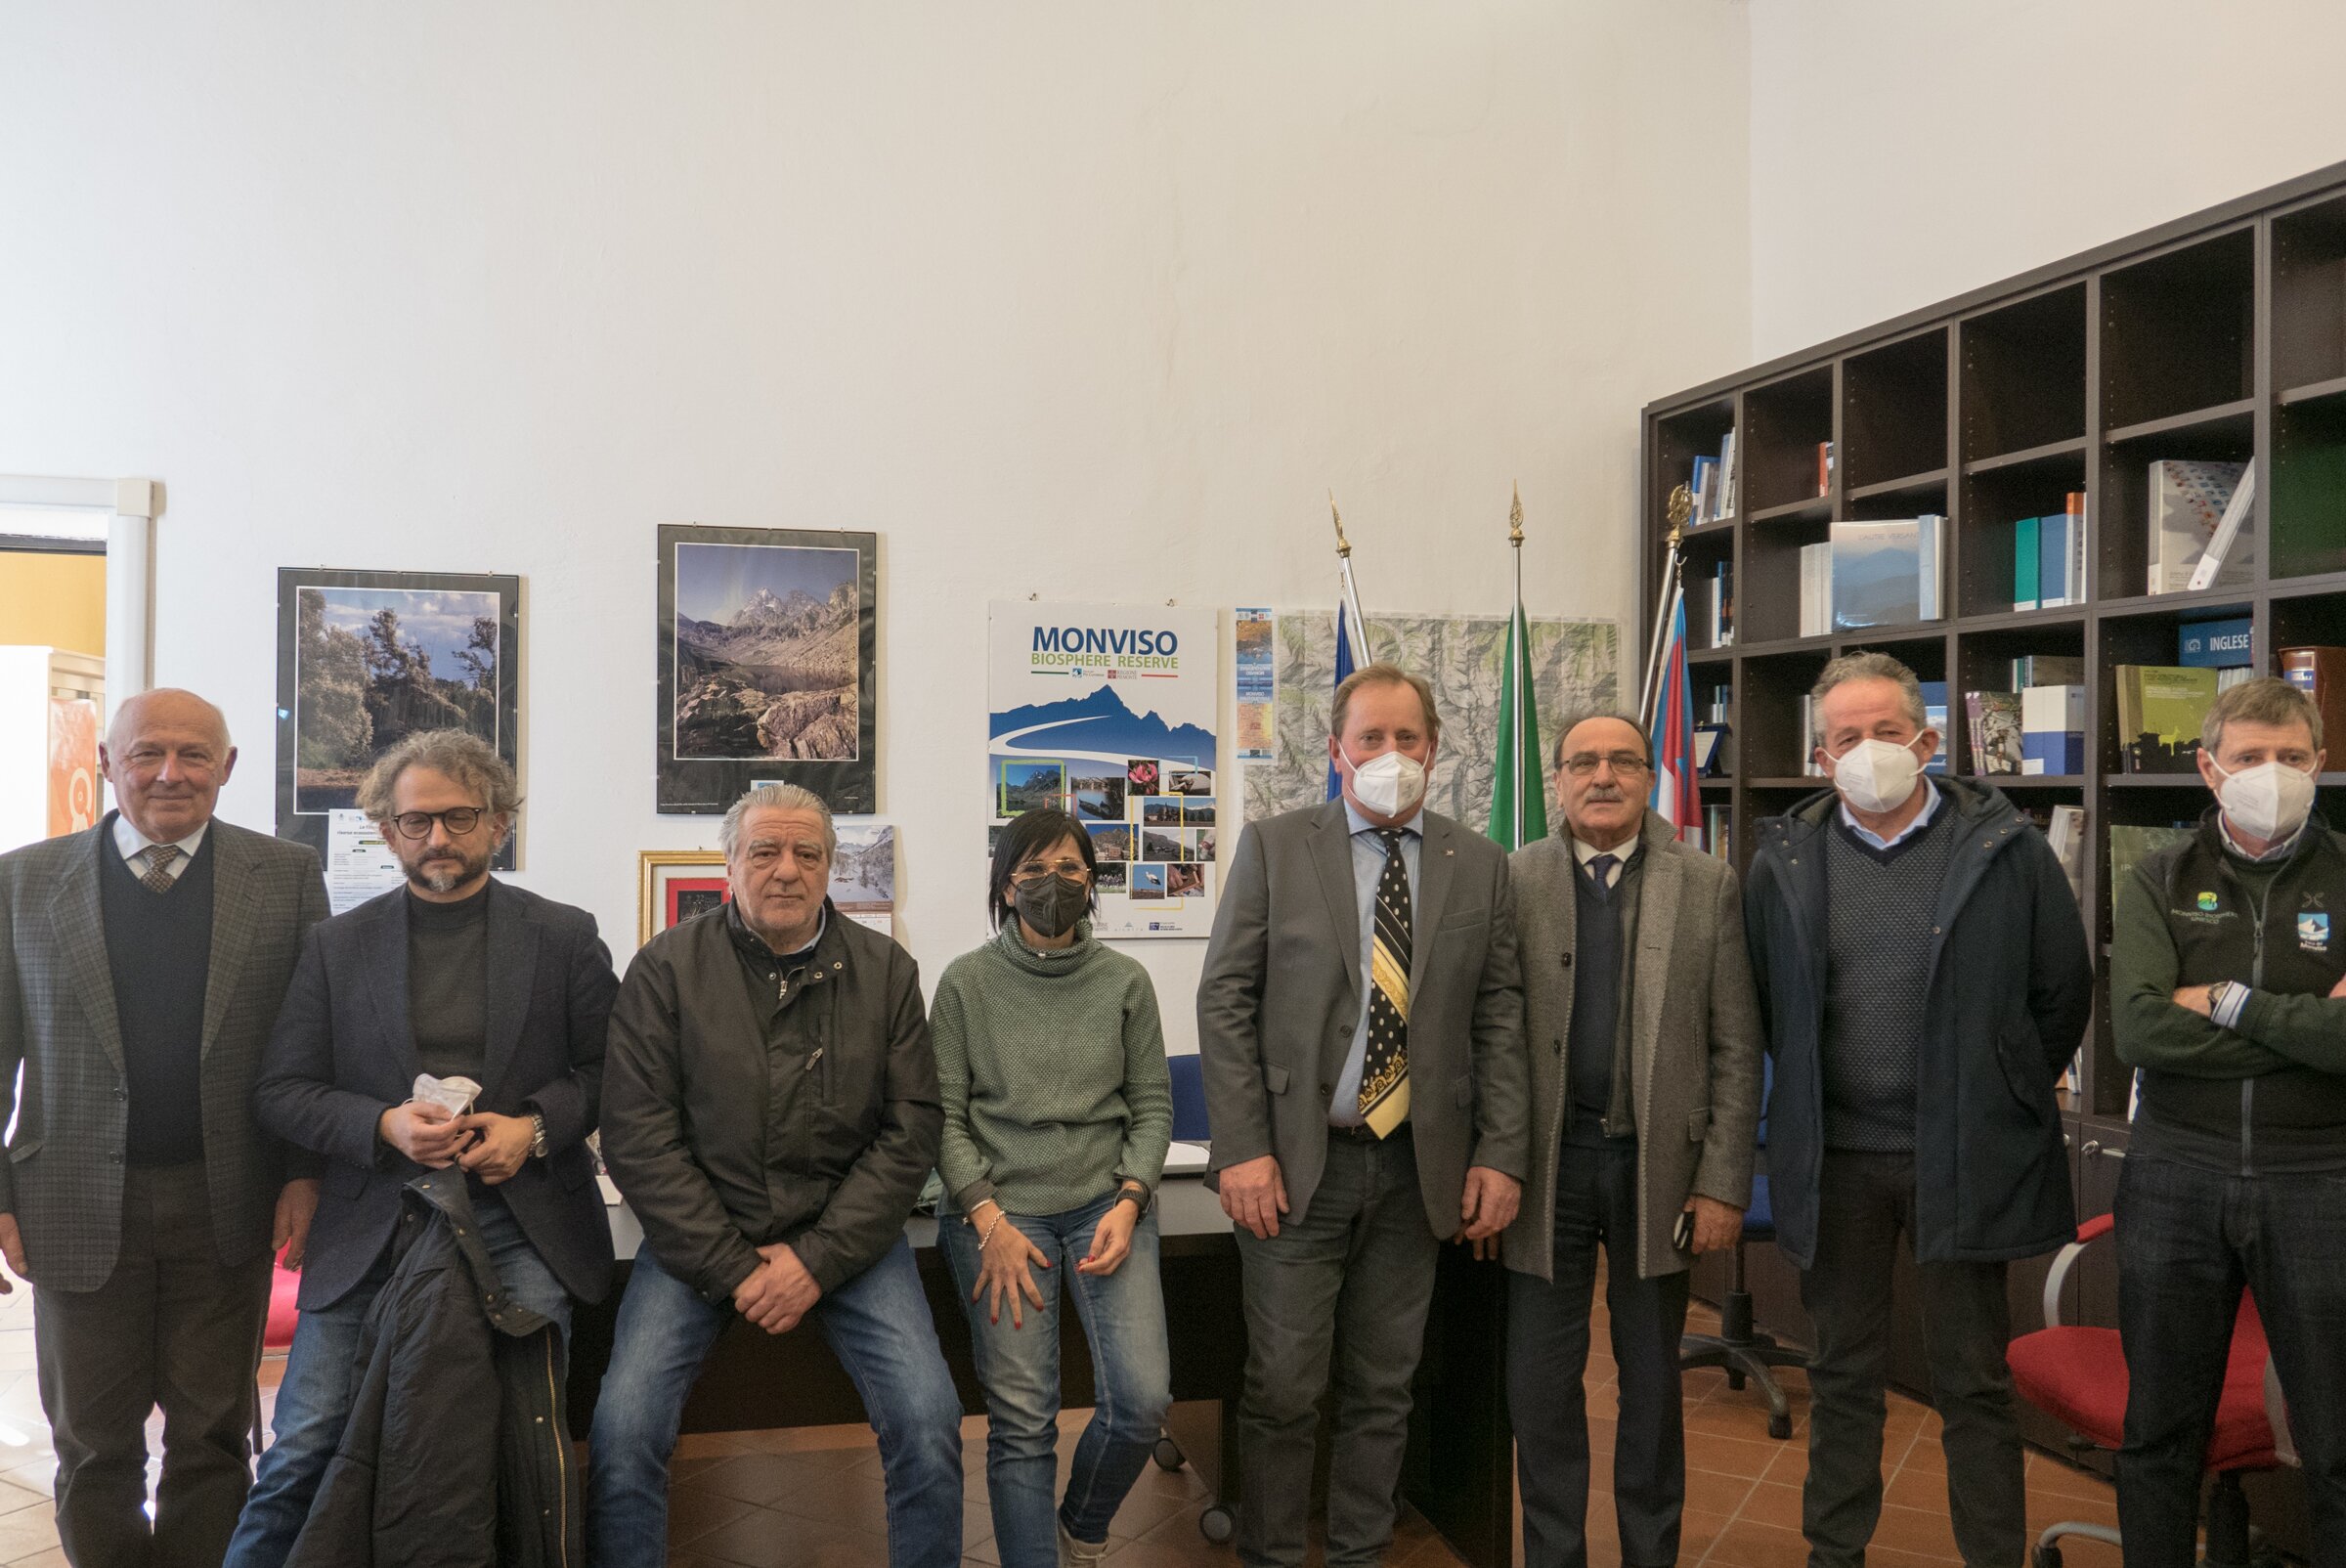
[(172, 1327), (1345, 1285), (1864, 1202)]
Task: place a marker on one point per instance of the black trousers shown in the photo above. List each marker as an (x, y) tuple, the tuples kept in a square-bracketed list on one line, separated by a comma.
[(2189, 1240), (172, 1327), (1547, 1352), (1864, 1203)]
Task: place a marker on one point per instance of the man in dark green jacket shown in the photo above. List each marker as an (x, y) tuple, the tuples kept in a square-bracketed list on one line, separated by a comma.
[(1923, 981), (2228, 990)]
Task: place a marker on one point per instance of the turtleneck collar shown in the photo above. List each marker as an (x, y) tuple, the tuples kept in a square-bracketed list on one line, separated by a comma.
[(1046, 961)]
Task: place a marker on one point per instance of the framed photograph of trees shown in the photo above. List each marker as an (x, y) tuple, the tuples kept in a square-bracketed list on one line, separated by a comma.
[(364, 660), (766, 670)]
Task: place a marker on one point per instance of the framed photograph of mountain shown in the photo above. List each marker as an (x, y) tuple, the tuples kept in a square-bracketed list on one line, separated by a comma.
[(1107, 710), (366, 658), (767, 666)]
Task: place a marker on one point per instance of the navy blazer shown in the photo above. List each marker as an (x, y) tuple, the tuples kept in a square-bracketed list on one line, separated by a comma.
[(343, 1053)]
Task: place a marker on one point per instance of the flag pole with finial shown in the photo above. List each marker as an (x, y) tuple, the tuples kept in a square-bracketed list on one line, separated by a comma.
[(1358, 635), (1518, 786)]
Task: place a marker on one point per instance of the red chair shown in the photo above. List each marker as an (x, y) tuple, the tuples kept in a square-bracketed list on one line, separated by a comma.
[(2077, 1376)]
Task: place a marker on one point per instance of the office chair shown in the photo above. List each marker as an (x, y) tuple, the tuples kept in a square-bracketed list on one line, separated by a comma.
[(2077, 1376), (1744, 1352)]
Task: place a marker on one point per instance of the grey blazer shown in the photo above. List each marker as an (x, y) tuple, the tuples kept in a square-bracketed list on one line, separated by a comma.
[(63, 1177), (1694, 1041), (1282, 994)]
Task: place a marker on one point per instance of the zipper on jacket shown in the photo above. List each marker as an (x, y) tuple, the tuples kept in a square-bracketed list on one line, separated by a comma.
[(2256, 980)]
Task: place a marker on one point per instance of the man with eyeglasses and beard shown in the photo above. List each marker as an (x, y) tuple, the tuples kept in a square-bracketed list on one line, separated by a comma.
[(456, 976)]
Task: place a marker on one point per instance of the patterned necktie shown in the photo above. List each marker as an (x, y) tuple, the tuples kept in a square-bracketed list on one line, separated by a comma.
[(1600, 867), (1385, 1065), (157, 875)]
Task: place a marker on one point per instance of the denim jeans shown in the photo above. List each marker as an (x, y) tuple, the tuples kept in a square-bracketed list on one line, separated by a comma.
[(312, 1401), (1123, 1316), (878, 1325), (2189, 1240)]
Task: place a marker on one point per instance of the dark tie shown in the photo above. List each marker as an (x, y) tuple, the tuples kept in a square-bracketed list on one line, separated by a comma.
[(159, 858), (1385, 1065), (1600, 870)]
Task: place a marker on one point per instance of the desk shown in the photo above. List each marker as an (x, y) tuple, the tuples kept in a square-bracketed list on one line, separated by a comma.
[(1462, 1483)]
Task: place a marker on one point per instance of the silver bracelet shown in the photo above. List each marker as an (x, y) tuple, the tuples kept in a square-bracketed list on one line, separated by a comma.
[(985, 1237)]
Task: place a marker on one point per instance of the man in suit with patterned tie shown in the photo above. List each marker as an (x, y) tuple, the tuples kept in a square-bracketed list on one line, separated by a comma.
[(142, 965), (1360, 1027)]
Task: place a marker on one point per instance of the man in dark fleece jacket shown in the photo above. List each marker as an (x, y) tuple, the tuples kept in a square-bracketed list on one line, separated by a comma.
[(2228, 989)]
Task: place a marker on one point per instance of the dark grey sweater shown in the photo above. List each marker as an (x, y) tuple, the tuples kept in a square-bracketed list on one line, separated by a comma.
[(1879, 905)]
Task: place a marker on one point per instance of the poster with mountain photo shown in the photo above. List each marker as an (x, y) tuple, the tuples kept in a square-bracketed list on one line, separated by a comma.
[(767, 672), (1100, 710)]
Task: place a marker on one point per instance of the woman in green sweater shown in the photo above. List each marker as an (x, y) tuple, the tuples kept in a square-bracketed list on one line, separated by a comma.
[(1057, 1111)]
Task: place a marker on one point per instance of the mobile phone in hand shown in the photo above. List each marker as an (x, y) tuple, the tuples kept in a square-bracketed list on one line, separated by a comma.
[(1683, 1236)]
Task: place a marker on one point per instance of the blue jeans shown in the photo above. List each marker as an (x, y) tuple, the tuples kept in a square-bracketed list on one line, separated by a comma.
[(1123, 1316), (312, 1401), (878, 1325)]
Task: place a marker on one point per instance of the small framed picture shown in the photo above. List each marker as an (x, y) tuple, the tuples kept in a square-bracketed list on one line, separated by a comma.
[(674, 884)]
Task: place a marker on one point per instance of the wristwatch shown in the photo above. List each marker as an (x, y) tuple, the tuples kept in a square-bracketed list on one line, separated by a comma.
[(1138, 1191), (537, 1136)]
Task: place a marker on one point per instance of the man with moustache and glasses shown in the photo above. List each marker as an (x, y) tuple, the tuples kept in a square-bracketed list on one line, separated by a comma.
[(456, 976)]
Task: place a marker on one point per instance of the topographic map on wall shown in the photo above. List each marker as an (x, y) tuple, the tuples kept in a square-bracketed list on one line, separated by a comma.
[(1575, 665)]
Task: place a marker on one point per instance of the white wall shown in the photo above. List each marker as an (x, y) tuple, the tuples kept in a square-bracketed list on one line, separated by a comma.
[(1085, 300), (1905, 152)]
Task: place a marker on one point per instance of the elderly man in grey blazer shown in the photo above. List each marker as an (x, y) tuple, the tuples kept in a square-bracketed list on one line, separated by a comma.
[(1643, 1025), (142, 964), (1360, 1024)]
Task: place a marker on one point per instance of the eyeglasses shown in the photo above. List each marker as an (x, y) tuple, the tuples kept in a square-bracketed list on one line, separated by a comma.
[(1582, 765), (457, 819), (1034, 871)]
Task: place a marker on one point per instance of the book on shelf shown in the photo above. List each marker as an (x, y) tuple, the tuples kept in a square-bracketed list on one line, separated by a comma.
[(1718, 605), (1993, 719), (2320, 674), (1710, 483), (1718, 831), (2052, 730), (1726, 478), (2225, 546), (1702, 483), (2066, 835), (2061, 555), (2187, 501), (2160, 709), (1720, 697), (2047, 670), (1824, 468), (2215, 644), (1934, 719), (1816, 590), (1886, 573), (2131, 843), (1811, 768), (2027, 561)]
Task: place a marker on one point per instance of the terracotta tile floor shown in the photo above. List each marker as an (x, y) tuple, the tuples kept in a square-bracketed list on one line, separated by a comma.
[(810, 1497)]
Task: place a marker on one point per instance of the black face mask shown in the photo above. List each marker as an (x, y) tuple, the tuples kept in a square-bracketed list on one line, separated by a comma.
[(1052, 905)]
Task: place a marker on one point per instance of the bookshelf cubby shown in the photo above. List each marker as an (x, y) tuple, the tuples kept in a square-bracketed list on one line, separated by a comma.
[(2219, 336)]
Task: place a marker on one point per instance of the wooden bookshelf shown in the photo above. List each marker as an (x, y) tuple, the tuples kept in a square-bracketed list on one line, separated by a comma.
[(2221, 335)]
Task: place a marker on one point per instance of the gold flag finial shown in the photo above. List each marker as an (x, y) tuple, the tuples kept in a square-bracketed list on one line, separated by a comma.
[(1343, 545), (1515, 520), (1682, 507)]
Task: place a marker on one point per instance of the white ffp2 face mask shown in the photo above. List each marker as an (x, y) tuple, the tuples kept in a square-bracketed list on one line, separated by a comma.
[(1877, 775), (2270, 800), (1388, 783)]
